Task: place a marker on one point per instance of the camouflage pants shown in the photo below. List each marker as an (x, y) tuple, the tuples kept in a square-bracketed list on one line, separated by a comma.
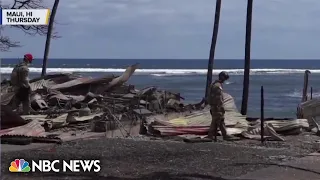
[(17, 100), (217, 116)]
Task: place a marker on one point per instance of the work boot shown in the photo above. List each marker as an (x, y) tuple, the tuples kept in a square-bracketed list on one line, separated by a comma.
[(212, 139), (208, 137), (230, 138)]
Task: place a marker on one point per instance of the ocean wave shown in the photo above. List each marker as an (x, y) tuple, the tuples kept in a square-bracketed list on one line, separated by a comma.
[(165, 72), (298, 94), (228, 82), (295, 94)]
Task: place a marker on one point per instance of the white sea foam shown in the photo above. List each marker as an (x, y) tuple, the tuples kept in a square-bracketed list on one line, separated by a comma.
[(165, 72), (228, 82), (298, 94), (295, 94)]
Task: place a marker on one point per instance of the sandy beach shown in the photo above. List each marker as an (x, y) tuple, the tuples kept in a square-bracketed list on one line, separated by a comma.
[(142, 158)]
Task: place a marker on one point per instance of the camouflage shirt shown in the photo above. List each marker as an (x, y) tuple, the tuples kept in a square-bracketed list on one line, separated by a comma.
[(215, 97), (19, 75)]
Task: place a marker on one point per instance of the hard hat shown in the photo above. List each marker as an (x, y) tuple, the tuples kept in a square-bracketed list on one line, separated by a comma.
[(28, 57)]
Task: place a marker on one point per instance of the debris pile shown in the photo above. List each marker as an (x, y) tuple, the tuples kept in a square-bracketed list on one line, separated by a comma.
[(198, 122), (90, 104), (68, 105)]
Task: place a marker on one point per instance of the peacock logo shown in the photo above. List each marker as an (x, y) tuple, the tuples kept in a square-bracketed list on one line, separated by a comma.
[(19, 165)]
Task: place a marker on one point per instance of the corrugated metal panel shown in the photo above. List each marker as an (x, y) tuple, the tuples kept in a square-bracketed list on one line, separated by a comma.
[(104, 79), (39, 84), (71, 83), (33, 128), (199, 122)]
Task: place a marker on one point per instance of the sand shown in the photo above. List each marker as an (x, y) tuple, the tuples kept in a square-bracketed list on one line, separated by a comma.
[(153, 159)]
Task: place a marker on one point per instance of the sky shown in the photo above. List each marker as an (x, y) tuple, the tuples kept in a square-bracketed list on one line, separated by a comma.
[(176, 29)]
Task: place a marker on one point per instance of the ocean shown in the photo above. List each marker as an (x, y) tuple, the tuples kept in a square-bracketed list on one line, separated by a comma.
[(282, 79)]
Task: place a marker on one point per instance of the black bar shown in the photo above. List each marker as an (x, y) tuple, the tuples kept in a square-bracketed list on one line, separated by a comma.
[(262, 115), (311, 93)]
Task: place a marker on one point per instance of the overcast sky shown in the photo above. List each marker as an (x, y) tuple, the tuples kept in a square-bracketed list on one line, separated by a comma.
[(282, 29)]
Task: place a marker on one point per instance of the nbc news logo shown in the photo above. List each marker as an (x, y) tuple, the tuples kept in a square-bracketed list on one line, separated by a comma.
[(21, 165)]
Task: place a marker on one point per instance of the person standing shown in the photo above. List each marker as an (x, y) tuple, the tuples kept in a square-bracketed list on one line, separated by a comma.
[(215, 100), (20, 84)]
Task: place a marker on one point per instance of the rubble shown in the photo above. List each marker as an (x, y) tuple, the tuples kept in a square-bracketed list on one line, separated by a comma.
[(78, 103), (198, 123), (66, 105)]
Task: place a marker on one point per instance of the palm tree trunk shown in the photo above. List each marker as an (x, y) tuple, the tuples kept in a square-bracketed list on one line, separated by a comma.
[(213, 44), (305, 86), (246, 78), (50, 27)]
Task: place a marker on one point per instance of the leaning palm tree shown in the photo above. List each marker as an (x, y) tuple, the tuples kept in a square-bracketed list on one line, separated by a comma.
[(49, 34), (213, 44)]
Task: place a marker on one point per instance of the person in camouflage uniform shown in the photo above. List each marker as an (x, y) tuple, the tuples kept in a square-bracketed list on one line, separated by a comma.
[(20, 84), (215, 100)]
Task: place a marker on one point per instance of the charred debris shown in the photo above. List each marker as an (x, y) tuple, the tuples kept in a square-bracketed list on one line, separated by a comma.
[(61, 101)]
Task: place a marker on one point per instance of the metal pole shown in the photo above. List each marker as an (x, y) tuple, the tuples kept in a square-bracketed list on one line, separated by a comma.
[(213, 44), (262, 115), (311, 93), (49, 33), (246, 78)]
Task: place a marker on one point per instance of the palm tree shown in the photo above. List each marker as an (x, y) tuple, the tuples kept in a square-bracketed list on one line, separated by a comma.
[(50, 27), (246, 78), (213, 44)]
